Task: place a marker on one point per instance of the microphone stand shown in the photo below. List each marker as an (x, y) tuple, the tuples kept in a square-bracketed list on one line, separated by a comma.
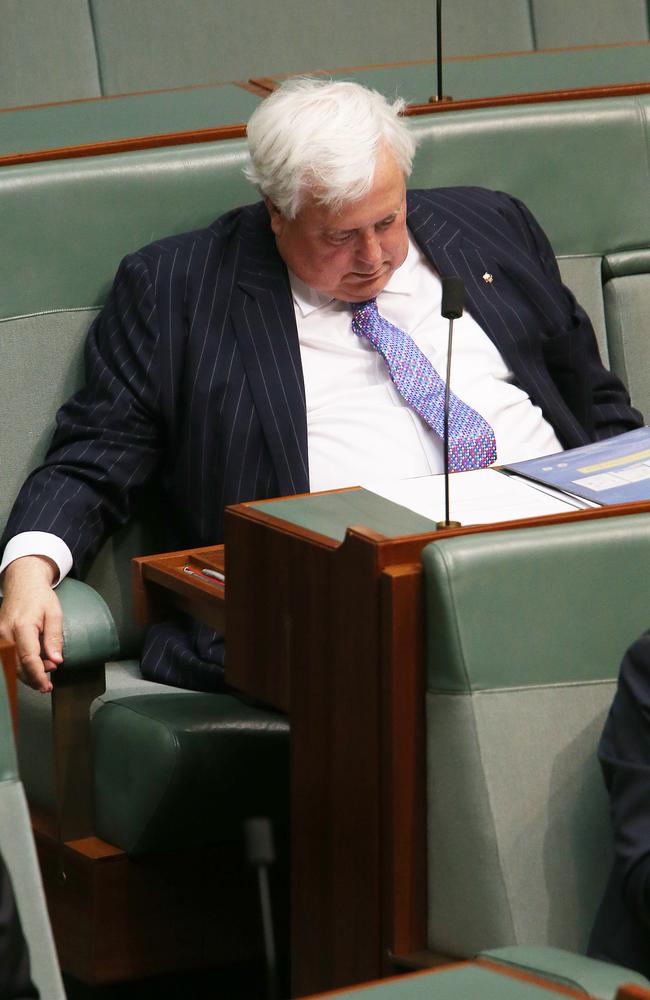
[(445, 432), (452, 308), (439, 96)]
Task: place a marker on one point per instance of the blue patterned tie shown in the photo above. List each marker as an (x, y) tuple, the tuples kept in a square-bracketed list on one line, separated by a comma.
[(471, 439)]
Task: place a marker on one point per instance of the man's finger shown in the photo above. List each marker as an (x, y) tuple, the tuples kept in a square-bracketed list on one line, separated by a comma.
[(31, 668), (53, 639)]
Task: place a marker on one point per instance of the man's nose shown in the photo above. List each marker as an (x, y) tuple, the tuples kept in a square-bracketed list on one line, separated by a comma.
[(369, 250)]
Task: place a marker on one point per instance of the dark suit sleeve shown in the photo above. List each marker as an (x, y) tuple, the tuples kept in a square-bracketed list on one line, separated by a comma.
[(108, 437), (597, 396), (621, 932), (624, 753)]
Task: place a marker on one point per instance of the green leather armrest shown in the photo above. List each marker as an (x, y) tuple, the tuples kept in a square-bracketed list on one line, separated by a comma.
[(595, 978), (89, 632)]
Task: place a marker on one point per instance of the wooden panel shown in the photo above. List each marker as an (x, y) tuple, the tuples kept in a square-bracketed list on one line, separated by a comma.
[(9, 666), (403, 762), (117, 918)]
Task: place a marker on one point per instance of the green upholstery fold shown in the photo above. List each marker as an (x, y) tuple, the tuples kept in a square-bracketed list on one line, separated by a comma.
[(627, 262)]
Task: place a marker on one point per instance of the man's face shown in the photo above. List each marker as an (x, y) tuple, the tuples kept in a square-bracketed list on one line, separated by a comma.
[(349, 254)]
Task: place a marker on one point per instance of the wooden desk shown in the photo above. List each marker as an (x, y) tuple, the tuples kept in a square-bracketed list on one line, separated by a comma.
[(329, 629), (471, 981)]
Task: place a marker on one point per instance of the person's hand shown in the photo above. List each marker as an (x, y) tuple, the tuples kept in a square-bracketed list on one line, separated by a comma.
[(32, 619)]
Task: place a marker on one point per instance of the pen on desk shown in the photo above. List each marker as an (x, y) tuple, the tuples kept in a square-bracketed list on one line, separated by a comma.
[(215, 573), (212, 577)]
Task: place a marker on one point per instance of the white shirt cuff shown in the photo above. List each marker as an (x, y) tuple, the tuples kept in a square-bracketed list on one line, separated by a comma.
[(38, 543)]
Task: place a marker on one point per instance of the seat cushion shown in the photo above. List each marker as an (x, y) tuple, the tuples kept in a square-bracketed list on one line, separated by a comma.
[(178, 769), (174, 769)]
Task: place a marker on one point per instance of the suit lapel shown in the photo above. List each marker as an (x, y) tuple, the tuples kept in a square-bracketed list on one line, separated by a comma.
[(264, 322), (497, 297), (445, 243)]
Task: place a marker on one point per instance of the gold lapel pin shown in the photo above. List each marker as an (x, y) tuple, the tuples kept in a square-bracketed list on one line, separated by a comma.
[(488, 278)]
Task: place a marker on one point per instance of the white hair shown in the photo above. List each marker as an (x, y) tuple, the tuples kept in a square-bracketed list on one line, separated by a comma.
[(323, 137)]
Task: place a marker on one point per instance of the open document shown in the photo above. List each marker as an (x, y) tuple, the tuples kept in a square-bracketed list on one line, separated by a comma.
[(484, 496), (616, 470)]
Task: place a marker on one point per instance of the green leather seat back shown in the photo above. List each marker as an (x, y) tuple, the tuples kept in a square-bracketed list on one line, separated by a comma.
[(573, 22), (47, 52), (472, 27), (526, 630), (17, 849), (161, 43), (626, 297)]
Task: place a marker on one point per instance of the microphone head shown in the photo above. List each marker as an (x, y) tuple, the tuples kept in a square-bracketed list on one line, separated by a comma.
[(453, 293)]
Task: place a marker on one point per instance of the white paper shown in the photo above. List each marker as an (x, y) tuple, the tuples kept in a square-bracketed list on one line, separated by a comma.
[(484, 496)]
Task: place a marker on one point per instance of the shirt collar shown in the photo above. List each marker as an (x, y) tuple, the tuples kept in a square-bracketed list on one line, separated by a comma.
[(308, 299)]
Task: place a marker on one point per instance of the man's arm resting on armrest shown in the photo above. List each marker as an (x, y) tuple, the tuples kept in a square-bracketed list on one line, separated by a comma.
[(31, 614)]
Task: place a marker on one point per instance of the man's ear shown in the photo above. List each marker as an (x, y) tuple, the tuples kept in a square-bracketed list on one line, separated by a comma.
[(275, 216)]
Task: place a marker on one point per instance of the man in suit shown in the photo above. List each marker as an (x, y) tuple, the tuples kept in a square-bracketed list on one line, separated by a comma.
[(621, 932), (232, 362)]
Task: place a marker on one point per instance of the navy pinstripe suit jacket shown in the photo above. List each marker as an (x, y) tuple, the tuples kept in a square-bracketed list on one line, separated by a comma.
[(193, 370)]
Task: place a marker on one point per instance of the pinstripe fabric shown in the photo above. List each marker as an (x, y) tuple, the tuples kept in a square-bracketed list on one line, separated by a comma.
[(194, 374)]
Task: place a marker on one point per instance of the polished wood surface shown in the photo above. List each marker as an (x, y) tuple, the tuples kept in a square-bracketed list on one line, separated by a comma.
[(632, 992), (332, 633), (117, 918), (176, 577)]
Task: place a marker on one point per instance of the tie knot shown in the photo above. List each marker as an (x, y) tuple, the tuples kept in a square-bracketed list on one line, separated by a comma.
[(364, 309), (366, 321)]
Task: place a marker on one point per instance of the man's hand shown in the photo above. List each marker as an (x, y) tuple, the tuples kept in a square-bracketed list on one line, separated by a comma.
[(32, 619)]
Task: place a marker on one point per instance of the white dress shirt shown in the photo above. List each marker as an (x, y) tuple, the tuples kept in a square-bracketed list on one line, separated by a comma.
[(358, 426)]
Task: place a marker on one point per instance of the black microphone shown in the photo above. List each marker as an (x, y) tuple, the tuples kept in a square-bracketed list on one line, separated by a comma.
[(453, 293)]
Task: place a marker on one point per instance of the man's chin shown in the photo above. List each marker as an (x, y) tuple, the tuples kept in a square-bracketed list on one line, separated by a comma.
[(360, 290)]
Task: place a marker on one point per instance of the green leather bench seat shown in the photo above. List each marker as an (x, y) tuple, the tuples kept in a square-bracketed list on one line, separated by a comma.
[(525, 631), (38, 129), (173, 768), (85, 48), (518, 73), (79, 123), (208, 763)]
